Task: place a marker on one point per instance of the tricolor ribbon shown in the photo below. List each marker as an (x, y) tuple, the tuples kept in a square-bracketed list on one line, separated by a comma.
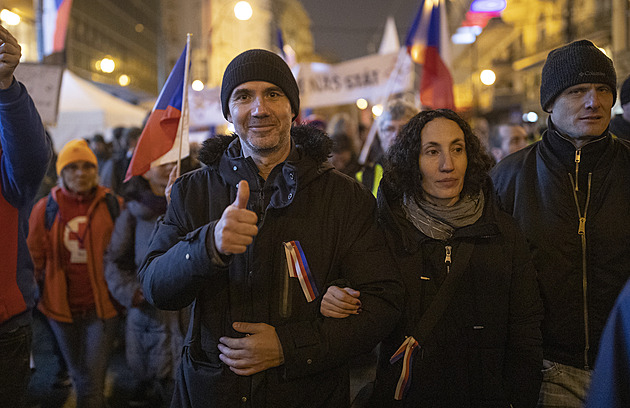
[(298, 268), (406, 352)]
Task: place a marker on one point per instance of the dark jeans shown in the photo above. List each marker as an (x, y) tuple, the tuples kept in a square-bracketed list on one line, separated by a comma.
[(15, 354), (86, 344)]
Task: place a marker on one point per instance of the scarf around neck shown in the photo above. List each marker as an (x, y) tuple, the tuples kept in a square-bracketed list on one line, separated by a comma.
[(440, 222)]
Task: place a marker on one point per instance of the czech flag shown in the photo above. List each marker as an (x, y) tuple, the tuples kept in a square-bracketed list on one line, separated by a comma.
[(426, 42), (56, 15), (160, 131)]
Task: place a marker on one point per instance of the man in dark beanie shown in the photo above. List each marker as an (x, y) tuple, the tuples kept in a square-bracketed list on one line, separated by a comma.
[(620, 124), (570, 194), (253, 240)]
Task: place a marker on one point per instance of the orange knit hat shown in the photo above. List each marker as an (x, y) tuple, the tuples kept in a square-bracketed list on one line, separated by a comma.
[(75, 150)]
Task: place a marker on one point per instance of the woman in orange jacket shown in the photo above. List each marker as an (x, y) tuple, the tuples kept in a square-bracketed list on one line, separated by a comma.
[(69, 232)]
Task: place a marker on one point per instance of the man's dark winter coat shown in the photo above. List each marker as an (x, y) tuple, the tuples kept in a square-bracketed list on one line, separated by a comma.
[(535, 186), (304, 200)]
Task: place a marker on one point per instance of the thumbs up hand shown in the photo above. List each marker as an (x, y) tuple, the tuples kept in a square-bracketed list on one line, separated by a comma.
[(237, 227)]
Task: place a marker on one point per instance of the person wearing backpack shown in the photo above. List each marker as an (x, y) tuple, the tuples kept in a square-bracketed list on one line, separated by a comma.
[(68, 235)]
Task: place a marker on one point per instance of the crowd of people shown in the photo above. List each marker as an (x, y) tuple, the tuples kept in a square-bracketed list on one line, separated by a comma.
[(479, 264)]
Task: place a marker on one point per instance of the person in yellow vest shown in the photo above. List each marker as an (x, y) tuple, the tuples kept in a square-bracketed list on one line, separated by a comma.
[(397, 113)]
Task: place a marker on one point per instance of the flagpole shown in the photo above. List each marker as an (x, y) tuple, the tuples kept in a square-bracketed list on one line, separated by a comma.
[(389, 86), (183, 121)]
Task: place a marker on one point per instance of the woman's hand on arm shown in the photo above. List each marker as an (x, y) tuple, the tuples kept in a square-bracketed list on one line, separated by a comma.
[(340, 302)]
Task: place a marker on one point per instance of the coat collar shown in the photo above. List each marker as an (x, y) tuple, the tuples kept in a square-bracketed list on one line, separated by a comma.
[(393, 217), (307, 160)]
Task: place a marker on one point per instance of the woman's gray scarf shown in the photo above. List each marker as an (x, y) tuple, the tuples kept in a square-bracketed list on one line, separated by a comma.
[(438, 221)]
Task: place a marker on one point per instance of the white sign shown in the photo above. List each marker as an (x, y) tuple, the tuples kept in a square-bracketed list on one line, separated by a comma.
[(344, 83), (205, 108), (43, 83), (323, 85)]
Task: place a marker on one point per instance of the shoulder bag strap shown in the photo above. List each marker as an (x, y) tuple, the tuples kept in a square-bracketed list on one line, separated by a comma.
[(444, 295)]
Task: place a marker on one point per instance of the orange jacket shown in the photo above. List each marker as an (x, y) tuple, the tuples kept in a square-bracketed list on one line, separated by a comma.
[(44, 247)]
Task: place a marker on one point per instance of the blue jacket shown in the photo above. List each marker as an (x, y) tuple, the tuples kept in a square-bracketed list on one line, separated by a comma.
[(610, 387), (25, 152)]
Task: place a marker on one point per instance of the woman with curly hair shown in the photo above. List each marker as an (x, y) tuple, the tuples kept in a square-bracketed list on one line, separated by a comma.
[(470, 332)]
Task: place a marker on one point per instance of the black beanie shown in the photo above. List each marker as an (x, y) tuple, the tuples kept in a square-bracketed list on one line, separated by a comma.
[(624, 95), (259, 65), (577, 63)]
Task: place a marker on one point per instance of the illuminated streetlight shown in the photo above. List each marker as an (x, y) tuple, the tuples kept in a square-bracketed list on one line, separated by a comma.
[(9, 17), (107, 65), (362, 103), (243, 10), (124, 80), (530, 117), (197, 85), (488, 6), (487, 77), (377, 110)]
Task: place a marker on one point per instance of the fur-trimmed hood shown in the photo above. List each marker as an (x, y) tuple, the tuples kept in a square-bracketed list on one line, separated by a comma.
[(313, 142)]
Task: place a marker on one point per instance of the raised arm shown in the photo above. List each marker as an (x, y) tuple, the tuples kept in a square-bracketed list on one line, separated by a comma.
[(25, 148)]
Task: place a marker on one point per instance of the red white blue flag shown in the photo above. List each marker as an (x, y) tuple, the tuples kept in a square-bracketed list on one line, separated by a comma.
[(426, 42), (55, 18), (298, 268), (160, 132), (404, 352)]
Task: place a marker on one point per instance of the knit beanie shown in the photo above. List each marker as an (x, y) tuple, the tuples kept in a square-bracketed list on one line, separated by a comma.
[(75, 150), (259, 65), (576, 63), (624, 95)]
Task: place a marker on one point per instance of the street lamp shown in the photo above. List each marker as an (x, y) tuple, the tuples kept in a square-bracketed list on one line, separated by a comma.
[(377, 110), (487, 77), (124, 80), (9, 17), (362, 103), (197, 85), (107, 65), (243, 10), (221, 38)]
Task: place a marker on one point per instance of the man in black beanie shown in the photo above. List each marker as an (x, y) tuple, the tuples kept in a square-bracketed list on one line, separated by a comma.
[(620, 124), (571, 196), (253, 240)]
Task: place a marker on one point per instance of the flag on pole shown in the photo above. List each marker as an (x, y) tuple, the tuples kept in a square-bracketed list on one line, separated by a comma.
[(427, 43), (55, 18), (163, 127), (280, 43), (286, 51)]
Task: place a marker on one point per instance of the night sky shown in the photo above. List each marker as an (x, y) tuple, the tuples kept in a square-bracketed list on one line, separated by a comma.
[(347, 29)]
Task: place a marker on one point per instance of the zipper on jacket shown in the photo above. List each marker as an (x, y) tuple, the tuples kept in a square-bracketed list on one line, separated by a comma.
[(578, 157), (582, 234), (447, 259)]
